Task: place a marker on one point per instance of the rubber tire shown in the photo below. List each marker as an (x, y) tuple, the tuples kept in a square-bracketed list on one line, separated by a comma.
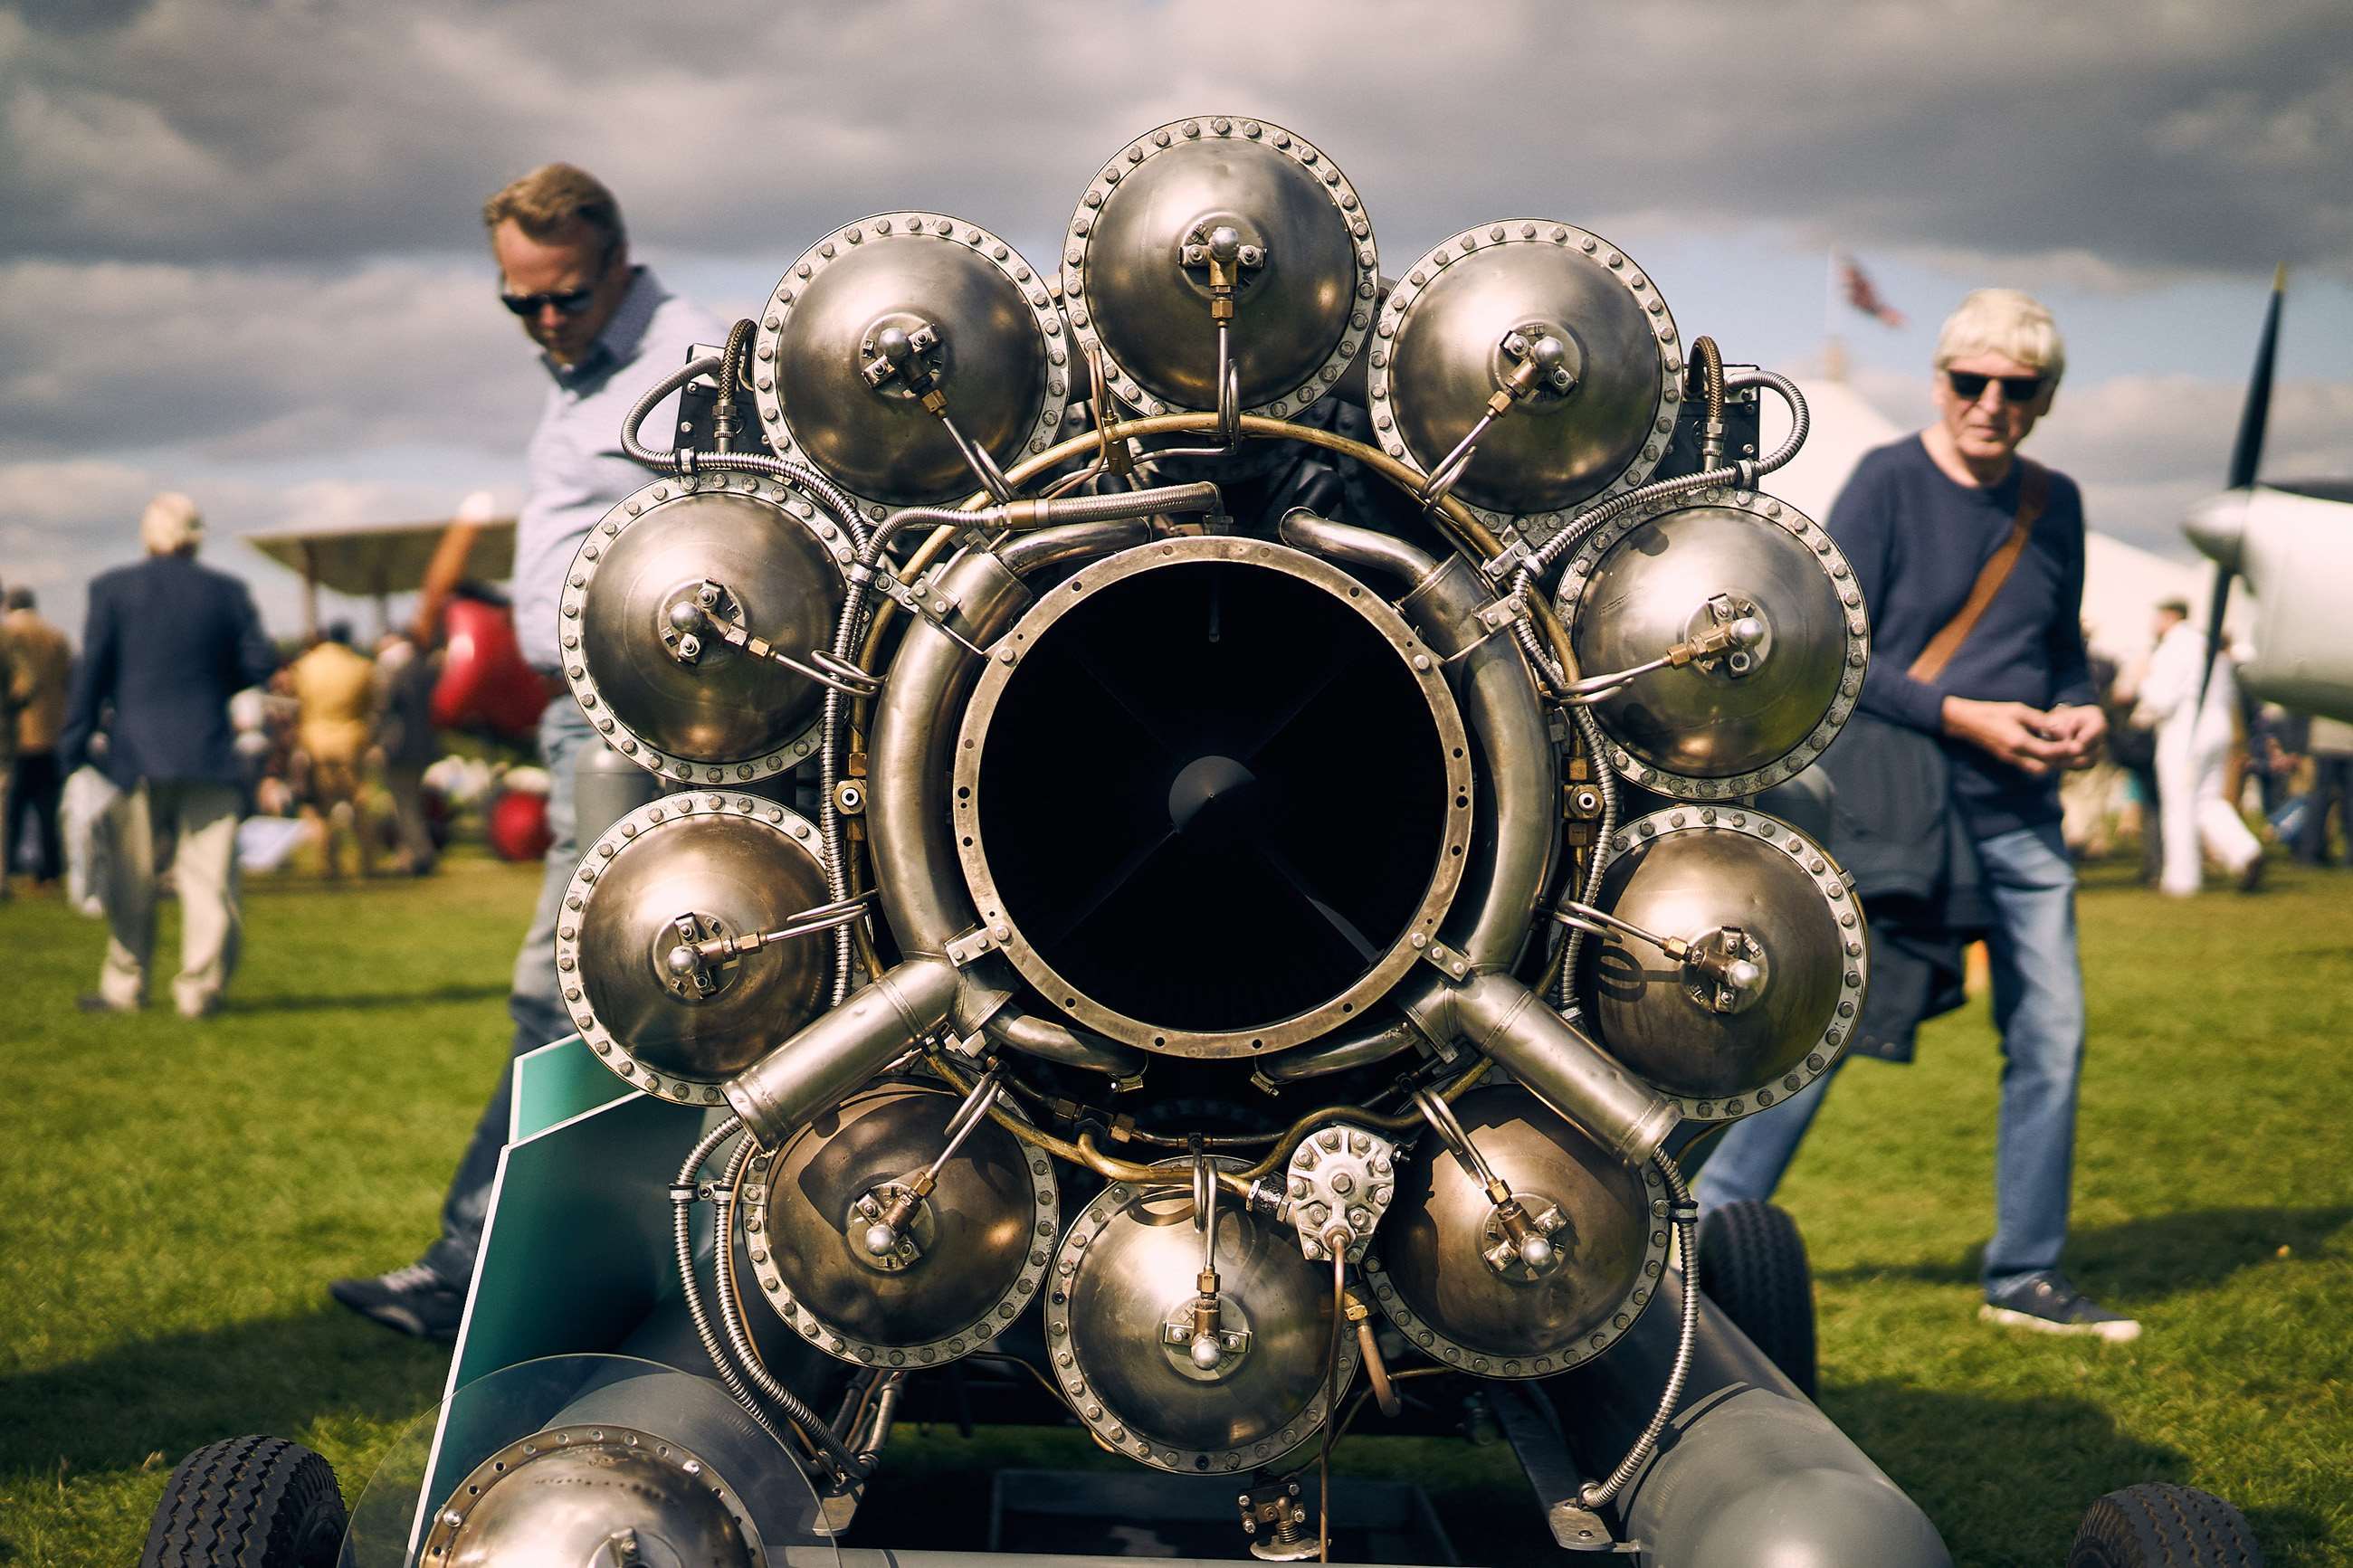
[(248, 1502), (2157, 1525), (1752, 1264)]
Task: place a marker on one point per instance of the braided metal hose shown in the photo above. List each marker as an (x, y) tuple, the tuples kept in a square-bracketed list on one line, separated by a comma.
[(851, 1467), (681, 1197), (1594, 1493)]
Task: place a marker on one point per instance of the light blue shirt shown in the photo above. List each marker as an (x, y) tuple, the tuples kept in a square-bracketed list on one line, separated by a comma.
[(577, 470)]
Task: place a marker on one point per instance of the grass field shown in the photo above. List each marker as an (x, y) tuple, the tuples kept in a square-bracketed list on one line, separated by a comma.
[(175, 1195)]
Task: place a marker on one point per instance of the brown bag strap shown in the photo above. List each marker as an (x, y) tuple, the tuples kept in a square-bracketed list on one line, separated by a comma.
[(2033, 490)]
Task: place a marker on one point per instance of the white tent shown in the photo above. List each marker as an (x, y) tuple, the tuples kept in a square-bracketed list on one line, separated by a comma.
[(2122, 582)]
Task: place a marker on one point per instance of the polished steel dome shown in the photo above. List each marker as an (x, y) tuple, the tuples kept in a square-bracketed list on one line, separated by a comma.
[(1744, 889), (1136, 269), (659, 579), (685, 870), (968, 1259), (1433, 1274), (1465, 317), (1755, 712), (1128, 1266), (973, 322), (589, 1497)]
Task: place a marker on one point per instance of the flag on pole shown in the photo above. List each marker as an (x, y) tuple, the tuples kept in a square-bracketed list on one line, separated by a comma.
[(1857, 290)]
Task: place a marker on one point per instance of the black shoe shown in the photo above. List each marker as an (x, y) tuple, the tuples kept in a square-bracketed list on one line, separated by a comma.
[(415, 1300), (2048, 1303)]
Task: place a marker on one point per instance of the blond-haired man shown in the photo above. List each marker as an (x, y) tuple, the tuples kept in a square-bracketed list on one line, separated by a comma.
[(605, 330), (1950, 531), (167, 643)]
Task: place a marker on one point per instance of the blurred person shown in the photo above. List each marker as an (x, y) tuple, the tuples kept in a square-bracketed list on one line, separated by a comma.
[(44, 667), (335, 684), (2195, 734), (2329, 744), (14, 687), (2133, 749), (1978, 698), (410, 744), (605, 330), (167, 643)]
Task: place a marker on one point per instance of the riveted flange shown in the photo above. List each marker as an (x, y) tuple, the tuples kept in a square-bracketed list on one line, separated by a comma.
[(793, 508), (1610, 262), (638, 834), (1209, 130), (1039, 293), (803, 1316), (1845, 909), (1409, 946), (626, 1446), (1854, 653), (1480, 1363)]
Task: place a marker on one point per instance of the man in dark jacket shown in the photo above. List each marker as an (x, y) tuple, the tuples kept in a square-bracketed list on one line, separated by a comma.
[(168, 642), (1948, 519)]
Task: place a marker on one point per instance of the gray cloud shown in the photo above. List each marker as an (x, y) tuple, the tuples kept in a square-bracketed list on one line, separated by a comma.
[(2144, 139), (258, 364)]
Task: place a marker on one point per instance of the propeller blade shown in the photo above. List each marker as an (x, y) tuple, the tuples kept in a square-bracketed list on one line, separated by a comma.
[(2246, 455)]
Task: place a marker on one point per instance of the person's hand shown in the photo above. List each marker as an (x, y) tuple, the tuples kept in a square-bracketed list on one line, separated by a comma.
[(2012, 731), (2084, 730)]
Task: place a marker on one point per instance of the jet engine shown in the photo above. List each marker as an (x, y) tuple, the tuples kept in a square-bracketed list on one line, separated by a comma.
[(1119, 890)]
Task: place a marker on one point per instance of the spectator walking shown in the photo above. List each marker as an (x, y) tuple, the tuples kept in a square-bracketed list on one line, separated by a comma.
[(335, 684), (1978, 696), (605, 329), (43, 666), (2195, 732), (404, 733), (166, 645)]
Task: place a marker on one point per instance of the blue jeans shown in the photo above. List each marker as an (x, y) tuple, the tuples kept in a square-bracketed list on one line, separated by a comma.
[(2038, 1006), (532, 1000)]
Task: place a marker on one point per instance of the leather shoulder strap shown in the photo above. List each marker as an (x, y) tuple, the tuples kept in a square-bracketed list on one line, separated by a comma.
[(2033, 490)]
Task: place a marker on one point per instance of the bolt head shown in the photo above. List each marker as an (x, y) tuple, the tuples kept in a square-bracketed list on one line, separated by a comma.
[(891, 343), (680, 960), (879, 1239), (1224, 242), (1535, 1252), (1205, 1352)]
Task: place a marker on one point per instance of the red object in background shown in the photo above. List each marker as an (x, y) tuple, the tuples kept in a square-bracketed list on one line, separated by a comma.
[(485, 684), (518, 825)]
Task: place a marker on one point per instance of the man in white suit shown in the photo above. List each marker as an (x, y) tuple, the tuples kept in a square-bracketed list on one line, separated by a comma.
[(2193, 743)]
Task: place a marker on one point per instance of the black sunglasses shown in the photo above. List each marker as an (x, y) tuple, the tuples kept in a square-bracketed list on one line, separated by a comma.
[(1968, 386), (569, 304)]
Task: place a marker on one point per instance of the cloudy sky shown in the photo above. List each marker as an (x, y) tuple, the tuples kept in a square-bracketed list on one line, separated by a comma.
[(241, 254)]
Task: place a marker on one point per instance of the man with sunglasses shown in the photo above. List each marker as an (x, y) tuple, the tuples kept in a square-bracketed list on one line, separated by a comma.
[(605, 330), (1971, 562)]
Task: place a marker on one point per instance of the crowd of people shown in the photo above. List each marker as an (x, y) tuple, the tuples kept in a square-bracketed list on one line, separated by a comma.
[(141, 764)]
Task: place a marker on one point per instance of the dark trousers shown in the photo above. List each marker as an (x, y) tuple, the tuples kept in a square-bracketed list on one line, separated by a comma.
[(33, 791), (2332, 787)]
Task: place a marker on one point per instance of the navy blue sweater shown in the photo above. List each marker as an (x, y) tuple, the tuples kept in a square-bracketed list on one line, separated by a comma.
[(1917, 541)]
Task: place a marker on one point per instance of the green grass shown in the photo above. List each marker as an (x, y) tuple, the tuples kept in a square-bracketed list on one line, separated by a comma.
[(175, 1195)]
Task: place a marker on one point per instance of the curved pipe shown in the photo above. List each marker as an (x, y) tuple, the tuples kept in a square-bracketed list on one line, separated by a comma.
[(1496, 908), (1027, 552), (1353, 546), (842, 1048), (1339, 1056), (908, 821)]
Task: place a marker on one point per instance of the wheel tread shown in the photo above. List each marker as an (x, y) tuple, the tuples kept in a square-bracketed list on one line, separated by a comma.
[(246, 1502), (2157, 1525), (1753, 1265)]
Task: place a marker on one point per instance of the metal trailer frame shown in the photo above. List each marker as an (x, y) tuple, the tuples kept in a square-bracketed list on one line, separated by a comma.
[(578, 1253)]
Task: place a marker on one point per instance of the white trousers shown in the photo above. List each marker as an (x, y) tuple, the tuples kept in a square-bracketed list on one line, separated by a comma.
[(2192, 813), (198, 821)]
